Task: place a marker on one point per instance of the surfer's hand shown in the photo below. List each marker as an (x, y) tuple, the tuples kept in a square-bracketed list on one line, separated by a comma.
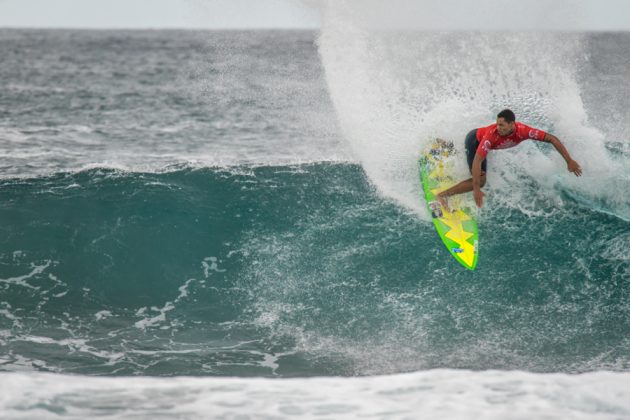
[(478, 194), (574, 167)]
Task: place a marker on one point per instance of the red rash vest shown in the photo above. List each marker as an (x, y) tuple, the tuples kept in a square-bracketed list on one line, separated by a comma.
[(489, 137)]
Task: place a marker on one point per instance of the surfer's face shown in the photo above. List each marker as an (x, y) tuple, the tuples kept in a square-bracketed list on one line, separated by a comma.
[(503, 127)]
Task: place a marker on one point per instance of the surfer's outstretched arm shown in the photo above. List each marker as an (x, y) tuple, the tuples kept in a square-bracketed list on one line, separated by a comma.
[(572, 165)]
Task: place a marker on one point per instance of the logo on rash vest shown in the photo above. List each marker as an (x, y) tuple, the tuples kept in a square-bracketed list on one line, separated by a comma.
[(486, 146), (533, 134), (506, 144)]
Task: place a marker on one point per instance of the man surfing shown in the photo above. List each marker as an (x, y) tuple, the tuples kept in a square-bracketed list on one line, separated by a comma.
[(507, 132)]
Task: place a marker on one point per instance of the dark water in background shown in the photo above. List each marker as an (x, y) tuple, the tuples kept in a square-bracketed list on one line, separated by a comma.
[(182, 203), (148, 99)]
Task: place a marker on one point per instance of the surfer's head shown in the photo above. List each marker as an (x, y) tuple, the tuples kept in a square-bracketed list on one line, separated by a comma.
[(505, 122)]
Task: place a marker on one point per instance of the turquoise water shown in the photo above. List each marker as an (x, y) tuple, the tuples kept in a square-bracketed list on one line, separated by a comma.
[(295, 270)]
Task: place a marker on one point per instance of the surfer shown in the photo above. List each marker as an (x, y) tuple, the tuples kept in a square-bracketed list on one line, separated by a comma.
[(507, 132)]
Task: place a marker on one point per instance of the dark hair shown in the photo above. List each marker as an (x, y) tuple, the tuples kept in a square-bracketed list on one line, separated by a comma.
[(507, 115)]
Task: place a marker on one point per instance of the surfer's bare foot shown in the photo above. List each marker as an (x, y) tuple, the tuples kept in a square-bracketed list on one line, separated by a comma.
[(444, 202)]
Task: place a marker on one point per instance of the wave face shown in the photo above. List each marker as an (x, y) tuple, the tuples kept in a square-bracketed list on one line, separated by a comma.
[(295, 270)]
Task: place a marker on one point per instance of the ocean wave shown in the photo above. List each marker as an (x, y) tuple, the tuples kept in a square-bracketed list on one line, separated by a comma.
[(296, 270)]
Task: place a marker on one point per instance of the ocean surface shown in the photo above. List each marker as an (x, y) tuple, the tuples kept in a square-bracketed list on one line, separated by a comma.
[(229, 224)]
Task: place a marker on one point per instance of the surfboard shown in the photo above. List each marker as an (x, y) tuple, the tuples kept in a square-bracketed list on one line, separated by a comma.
[(456, 226)]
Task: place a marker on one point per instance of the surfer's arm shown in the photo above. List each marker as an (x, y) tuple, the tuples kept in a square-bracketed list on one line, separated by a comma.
[(476, 179), (572, 165)]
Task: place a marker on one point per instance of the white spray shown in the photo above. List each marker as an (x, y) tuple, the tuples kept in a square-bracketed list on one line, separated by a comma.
[(395, 90)]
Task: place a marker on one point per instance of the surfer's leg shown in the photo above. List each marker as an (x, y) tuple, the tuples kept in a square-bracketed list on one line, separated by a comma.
[(462, 187), (465, 186)]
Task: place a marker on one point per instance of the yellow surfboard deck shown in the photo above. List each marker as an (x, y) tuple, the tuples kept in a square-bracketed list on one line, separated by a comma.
[(456, 226)]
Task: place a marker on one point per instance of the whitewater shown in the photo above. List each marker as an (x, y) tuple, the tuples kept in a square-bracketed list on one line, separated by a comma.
[(229, 224)]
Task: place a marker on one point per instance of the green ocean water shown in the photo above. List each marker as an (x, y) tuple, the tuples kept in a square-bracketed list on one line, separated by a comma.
[(295, 270)]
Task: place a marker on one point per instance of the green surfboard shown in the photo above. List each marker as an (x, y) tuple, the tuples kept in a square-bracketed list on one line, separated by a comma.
[(456, 226)]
